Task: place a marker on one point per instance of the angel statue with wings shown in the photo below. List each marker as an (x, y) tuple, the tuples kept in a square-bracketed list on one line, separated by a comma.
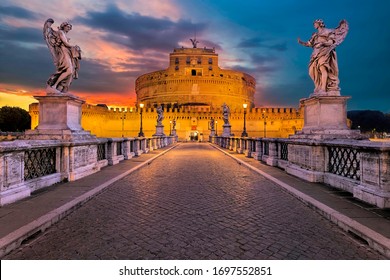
[(66, 57), (323, 69)]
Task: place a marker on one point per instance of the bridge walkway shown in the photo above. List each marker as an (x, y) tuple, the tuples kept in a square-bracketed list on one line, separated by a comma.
[(219, 210)]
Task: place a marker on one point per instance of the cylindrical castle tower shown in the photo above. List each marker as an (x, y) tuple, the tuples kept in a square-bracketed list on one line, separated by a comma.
[(194, 78)]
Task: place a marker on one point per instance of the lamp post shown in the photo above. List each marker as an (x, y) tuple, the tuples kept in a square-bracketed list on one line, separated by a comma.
[(216, 128), (141, 133), (265, 124), (244, 133), (170, 128)]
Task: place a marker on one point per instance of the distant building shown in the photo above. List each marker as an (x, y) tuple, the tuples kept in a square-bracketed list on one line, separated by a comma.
[(194, 78), (191, 91)]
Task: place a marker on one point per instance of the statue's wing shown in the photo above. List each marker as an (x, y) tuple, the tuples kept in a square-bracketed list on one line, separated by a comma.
[(341, 32), (51, 38)]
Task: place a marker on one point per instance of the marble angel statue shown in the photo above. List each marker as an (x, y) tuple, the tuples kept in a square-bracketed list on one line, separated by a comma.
[(323, 68), (66, 57)]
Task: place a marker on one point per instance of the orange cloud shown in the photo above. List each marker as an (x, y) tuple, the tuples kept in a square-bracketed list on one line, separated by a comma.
[(108, 98)]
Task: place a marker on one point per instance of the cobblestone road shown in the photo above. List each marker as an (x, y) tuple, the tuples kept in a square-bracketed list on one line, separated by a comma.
[(194, 203)]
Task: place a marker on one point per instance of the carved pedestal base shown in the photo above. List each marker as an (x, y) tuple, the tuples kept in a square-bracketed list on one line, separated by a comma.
[(227, 130), (159, 130), (325, 117), (59, 119)]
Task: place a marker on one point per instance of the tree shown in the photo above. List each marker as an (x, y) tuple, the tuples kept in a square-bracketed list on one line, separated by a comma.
[(369, 120), (13, 119)]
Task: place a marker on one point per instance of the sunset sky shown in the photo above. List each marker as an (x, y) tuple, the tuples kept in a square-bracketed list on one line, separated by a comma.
[(123, 39)]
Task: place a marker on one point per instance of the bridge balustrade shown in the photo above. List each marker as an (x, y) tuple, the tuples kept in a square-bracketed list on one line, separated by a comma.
[(29, 165), (359, 167)]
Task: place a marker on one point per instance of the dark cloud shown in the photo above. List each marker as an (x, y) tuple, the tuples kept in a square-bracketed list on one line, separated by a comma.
[(258, 42), (261, 59), (17, 12), (251, 43), (141, 32), (22, 34), (23, 65), (95, 76), (282, 94)]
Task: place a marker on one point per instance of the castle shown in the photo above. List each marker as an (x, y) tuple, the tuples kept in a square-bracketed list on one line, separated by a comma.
[(191, 92)]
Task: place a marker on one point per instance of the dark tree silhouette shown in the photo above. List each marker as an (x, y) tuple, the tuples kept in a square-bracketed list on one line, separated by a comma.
[(369, 120), (13, 119)]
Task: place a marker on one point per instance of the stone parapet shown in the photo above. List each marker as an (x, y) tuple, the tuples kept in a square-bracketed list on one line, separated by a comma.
[(29, 165), (361, 167)]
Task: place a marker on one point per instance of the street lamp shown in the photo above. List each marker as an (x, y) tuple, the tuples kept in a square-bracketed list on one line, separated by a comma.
[(244, 133), (141, 133), (265, 123), (170, 128), (216, 128)]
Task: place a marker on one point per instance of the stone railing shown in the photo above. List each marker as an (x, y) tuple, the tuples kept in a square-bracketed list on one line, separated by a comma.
[(360, 167), (29, 165)]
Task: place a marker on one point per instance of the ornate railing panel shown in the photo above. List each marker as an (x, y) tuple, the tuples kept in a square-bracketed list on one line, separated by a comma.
[(344, 162), (119, 150), (101, 151), (39, 162), (283, 151), (266, 148)]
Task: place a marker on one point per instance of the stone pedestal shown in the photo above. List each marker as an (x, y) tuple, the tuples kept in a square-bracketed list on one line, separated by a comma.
[(159, 130), (227, 130), (59, 119), (212, 132), (173, 132), (325, 117)]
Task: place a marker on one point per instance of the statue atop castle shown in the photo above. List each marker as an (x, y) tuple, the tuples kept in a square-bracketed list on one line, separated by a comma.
[(194, 42)]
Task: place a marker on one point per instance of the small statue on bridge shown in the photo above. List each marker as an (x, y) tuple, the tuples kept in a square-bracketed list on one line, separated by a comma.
[(160, 115), (174, 124), (212, 124), (225, 113)]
